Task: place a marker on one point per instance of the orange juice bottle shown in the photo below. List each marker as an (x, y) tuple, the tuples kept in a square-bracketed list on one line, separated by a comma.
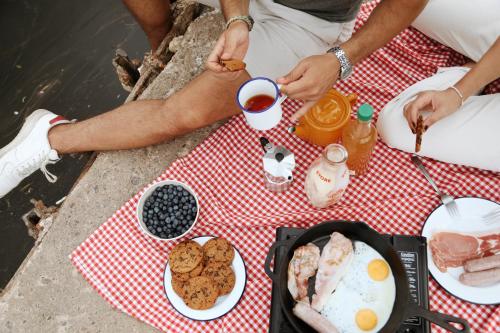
[(359, 138)]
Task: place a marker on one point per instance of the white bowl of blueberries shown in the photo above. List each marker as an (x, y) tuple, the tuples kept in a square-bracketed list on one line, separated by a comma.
[(167, 210)]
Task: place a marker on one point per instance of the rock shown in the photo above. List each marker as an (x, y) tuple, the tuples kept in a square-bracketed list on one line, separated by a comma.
[(92, 201), (189, 60)]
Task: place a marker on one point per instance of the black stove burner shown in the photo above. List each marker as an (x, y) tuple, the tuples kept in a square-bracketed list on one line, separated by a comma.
[(413, 253)]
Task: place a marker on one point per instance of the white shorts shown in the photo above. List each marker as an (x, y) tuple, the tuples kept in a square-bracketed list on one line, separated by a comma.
[(471, 135), (283, 36)]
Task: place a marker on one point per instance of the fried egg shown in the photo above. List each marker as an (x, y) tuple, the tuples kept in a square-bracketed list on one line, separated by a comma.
[(363, 300)]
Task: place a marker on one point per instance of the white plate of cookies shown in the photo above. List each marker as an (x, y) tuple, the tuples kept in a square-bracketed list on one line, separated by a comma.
[(204, 278)]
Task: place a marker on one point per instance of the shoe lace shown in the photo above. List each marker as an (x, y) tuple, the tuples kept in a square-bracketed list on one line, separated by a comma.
[(40, 161)]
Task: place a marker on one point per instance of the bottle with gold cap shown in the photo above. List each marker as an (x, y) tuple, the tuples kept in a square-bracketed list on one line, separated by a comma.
[(359, 138)]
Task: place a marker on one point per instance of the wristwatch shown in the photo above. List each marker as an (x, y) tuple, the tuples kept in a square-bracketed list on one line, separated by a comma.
[(245, 18), (345, 64)]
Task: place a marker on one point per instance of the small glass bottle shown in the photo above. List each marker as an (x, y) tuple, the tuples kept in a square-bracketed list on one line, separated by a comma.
[(359, 138), (327, 177)]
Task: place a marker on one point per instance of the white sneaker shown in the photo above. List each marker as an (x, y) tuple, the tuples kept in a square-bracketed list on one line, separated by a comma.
[(29, 151)]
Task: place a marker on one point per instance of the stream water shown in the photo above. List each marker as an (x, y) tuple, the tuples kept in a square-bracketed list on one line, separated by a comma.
[(55, 54)]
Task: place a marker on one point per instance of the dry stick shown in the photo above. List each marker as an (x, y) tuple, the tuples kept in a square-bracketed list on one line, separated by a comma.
[(179, 27)]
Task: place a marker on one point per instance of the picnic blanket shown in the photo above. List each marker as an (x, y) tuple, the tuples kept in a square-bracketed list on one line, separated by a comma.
[(126, 268)]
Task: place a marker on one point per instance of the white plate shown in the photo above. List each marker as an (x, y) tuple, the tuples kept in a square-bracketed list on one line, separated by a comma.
[(440, 220), (223, 305)]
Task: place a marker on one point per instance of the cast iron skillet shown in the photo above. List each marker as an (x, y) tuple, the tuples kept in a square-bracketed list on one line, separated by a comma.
[(319, 235)]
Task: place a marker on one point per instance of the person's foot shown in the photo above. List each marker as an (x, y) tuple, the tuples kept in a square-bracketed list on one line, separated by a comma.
[(29, 151)]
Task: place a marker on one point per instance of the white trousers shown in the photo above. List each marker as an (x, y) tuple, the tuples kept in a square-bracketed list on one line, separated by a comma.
[(282, 36), (471, 135)]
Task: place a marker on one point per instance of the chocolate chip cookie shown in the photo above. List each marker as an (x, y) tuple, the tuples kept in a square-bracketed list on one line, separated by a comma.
[(218, 250), (200, 293), (222, 274), (185, 257), (178, 287), (186, 276)]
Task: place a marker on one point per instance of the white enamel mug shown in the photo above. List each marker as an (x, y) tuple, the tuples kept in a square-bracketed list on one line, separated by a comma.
[(267, 118)]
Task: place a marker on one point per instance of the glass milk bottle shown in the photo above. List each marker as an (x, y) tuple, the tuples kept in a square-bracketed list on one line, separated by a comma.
[(327, 177)]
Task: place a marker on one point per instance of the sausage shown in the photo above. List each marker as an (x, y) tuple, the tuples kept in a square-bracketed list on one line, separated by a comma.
[(481, 278), (313, 318), (482, 264)]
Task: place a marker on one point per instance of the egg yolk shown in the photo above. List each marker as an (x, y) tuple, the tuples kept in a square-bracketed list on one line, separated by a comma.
[(378, 270), (366, 319)]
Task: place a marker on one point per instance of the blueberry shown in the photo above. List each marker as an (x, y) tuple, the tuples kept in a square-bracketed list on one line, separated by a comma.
[(163, 235), (175, 201), (185, 193), (194, 210)]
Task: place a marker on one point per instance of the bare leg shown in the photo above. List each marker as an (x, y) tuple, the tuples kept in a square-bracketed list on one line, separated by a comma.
[(154, 16), (208, 98)]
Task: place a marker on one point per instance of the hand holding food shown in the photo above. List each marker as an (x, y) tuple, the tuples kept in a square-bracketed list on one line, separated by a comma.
[(440, 103), (232, 44), (310, 80)]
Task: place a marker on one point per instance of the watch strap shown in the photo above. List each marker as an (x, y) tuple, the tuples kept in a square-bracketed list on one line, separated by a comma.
[(345, 63)]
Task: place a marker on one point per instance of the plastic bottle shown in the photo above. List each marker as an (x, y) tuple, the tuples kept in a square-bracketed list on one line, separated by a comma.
[(359, 138)]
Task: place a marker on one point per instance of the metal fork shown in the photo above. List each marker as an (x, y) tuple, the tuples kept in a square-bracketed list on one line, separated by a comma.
[(448, 201), (492, 216)]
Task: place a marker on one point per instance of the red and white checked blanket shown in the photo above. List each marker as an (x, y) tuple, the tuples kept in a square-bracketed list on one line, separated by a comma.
[(126, 268)]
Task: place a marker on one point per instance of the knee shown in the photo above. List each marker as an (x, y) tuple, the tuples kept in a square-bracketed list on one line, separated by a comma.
[(388, 128), (179, 119)]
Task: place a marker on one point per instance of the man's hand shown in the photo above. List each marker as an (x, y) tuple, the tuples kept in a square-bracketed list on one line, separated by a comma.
[(310, 80), (440, 103), (232, 44)]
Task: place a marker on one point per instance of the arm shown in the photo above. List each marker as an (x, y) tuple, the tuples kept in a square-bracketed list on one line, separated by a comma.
[(232, 8), (445, 102), (484, 72), (233, 42), (387, 20), (315, 75)]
